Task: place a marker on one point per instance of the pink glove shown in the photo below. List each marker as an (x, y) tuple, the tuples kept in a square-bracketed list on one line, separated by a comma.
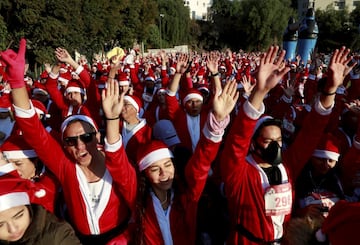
[(15, 68)]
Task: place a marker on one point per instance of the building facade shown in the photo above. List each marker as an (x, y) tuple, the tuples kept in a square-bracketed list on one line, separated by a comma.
[(303, 5), (199, 9)]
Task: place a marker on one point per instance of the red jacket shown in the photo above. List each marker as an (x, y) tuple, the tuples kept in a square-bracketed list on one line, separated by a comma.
[(183, 209), (245, 181), (120, 187)]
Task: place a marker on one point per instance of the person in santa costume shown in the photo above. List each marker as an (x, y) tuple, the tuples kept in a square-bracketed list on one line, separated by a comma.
[(23, 222), (168, 205), (26, 162), (72, 101), (259, 185), (319, 187), (99, 188), (189, 117)]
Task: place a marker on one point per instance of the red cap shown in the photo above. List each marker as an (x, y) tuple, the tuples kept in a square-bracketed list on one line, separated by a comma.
[(152, 152)]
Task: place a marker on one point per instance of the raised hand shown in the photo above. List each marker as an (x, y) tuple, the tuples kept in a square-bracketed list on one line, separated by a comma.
[(270, 69), (338, 68), (225, 100), (112, 100), (212, 62), (15, 65), (247, 85), (182, 63)]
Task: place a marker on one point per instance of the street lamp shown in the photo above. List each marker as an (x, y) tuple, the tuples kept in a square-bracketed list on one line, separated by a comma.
[(160, 27)]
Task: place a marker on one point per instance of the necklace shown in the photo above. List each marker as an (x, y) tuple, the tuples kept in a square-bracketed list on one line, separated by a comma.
[(163, 202)]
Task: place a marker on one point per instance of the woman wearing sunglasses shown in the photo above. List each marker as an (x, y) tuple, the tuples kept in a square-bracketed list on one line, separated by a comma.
[(99, 189)]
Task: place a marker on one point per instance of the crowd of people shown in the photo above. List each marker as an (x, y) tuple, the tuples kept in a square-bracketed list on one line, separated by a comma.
[(180, 148)]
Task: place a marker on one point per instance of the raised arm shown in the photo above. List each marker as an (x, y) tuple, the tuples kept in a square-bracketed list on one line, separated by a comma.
[(15, 74), (112, 103), (269, 73)]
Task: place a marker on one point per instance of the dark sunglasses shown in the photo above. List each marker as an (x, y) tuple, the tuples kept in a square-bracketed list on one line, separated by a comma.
[(72, 141)]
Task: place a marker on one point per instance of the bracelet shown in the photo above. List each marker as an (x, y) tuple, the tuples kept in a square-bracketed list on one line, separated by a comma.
[(110, 119), (327, 94), (214, 75)]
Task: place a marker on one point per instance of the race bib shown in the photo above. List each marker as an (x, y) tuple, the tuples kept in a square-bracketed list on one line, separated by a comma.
[(278, 200)]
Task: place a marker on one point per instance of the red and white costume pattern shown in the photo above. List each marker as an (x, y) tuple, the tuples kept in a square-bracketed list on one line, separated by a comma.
[(117, 197), (178, 224), (246, 184)]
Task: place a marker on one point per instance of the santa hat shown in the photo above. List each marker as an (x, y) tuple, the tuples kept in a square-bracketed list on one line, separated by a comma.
[(152, 152), (40, 108), (15, 147), (75, 86), (14, 192), (173, 68), (77, 117), (123, 79), (265, 121), (64, 68), (150, 76), (328, 148), (44, 75), (134, 101), (164, 130), (192, 94), (39, 88), (64, 78), (160, 91)]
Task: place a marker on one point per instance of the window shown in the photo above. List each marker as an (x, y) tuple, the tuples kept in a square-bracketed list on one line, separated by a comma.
[(356, 3)]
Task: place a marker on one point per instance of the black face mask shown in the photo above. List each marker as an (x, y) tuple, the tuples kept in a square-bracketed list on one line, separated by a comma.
[(271, 154)]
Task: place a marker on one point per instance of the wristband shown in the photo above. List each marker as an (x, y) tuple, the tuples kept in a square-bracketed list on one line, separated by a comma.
[(110, 119), (214, 75)]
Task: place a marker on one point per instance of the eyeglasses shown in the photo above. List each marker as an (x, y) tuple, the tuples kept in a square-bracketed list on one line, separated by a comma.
[(72, 141)]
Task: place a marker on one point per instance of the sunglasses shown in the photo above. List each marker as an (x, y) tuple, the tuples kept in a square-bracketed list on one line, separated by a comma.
[(72, 141)]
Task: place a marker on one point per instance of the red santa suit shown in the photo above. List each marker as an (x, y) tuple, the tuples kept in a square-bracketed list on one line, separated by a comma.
[(16, 148), (187, 127), (256, 216), (58, 97), (117, 196), (177, 225)]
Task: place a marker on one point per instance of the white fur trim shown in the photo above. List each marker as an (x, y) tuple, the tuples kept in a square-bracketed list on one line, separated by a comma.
[(124, 83), (20, 154), (77, 117), (14, 199), (74, 89), (153, 157), (132, 101), (7, 168), (192, 96), (63, 80), (326, 154)]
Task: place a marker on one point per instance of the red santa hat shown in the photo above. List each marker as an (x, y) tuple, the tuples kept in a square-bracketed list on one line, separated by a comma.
[(39, 88), (328, 148), (15, 147), (134, 101), (64, 78), (264, 121), (75, 86), (193, 94), (64, 68), (151, 152), (150, 76), (44, 75), (123, 79), (77, 117), (14, 192), (40, 108)]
